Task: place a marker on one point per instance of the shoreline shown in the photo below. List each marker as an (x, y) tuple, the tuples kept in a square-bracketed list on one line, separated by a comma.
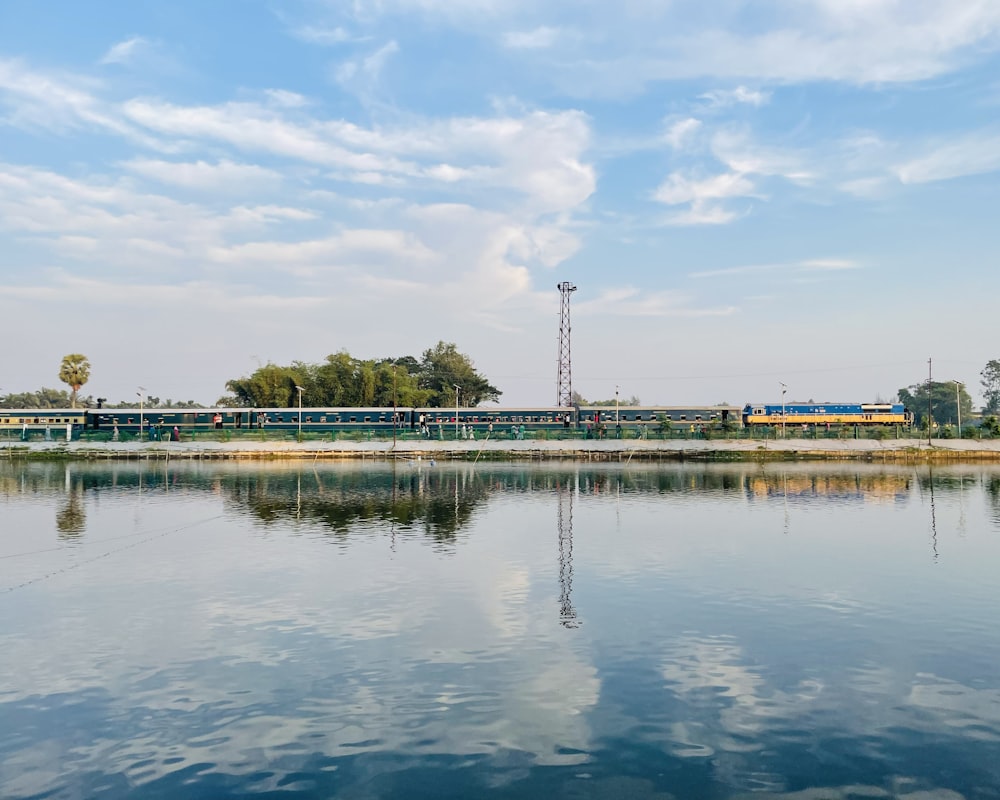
[(889, 450)]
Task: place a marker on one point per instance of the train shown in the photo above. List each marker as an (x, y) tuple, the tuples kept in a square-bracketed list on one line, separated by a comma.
[(866, 414), (597, 421)]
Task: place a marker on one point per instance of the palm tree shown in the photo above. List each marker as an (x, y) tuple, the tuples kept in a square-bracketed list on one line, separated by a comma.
[(74, 371)]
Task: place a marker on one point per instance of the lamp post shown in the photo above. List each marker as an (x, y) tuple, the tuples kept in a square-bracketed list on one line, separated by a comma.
[(457, 389), (300, 390), (141, 393), (784, 388), (618, 424), (394, 407), (958, 406)]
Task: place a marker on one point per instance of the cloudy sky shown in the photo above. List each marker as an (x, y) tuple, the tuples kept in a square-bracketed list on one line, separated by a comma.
[(745, 192)]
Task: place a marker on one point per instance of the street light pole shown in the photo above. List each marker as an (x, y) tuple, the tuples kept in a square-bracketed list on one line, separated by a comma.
[(784, 388), (141, 392), (456, 408), (958, 407), (300, 391)]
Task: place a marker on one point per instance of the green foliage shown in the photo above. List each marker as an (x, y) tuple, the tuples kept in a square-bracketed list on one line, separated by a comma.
[(43, 398), (443, 367), (344, 381), (991, 425), (945, 399), (74, 371), (578, 399), (991, 386)]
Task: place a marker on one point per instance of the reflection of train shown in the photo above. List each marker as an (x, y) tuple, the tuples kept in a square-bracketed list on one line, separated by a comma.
[(887, 487), (826, 414)]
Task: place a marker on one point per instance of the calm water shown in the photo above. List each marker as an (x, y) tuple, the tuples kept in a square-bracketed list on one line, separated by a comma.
[(245, 630)]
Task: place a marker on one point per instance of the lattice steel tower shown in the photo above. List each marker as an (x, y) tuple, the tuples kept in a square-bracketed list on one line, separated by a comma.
[(564, 380)]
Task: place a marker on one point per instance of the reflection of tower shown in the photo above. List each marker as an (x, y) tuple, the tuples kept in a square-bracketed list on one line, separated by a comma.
[(567, 614), (564, 379)]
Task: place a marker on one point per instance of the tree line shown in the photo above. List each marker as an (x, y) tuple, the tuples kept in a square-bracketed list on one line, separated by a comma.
[(441, 377)]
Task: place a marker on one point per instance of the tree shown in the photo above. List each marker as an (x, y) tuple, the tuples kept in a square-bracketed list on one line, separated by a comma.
[(342, 381), (944, 403), (991, 387), (43, 398), (442, 368), (269, 386), (74, 372)]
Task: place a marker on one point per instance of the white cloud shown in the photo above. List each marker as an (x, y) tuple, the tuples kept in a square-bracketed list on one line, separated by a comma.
[(721, 98), (224, 176), (702, 213), (678, 189), (536, 39), (799, 41), (342, 249), (740, 154), (702, 196), (632, 302), (363, 76), (317, 34), (974, 154), (285, 99), (123, 52), (59, 103), (804, 266), (680, 133)]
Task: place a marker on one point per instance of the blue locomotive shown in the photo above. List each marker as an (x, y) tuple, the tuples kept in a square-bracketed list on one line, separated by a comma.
[(826, 413)]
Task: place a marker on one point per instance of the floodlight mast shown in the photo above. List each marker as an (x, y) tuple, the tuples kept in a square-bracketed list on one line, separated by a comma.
[(564, 374)]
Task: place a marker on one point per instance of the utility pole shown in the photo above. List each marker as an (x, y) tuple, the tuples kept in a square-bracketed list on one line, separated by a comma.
[(929, 407), (958, 407), (784, 389), (564, 370), (141, 393)]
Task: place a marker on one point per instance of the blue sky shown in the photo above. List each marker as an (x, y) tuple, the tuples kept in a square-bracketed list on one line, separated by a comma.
[(744, 193)]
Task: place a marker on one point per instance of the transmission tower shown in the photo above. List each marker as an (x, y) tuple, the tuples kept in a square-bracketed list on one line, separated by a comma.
[(564, 380)]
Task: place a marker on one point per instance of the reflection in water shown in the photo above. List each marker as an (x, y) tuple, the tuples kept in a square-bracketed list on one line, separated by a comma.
[(845, 486), (567, 614), (201, 638), (71, 518)]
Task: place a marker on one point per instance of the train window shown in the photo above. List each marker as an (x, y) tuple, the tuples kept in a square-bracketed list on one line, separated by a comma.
[(697, 417), (322, 419), (368, 418), (683, 416), (353, 419), (309, 419), (129, 420), (278, 419)]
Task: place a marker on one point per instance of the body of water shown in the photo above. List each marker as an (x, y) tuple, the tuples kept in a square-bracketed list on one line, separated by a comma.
[(507, 631)]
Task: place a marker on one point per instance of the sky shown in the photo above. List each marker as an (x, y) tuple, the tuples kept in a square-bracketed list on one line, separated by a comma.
[(746, 193)]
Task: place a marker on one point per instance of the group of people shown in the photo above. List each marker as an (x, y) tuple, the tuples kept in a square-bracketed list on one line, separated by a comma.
[(155, 433)]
